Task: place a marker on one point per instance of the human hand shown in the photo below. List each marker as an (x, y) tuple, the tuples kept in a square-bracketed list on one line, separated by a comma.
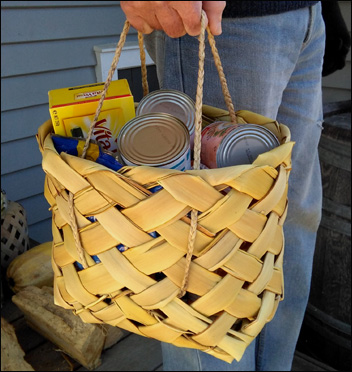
[(175, 18)]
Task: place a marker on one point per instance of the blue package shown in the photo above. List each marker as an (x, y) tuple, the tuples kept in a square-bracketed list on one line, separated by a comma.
[(154, 234), (122, 248), (74, 146), (155, 189), (108, 161), (96, 259), (79, 267)]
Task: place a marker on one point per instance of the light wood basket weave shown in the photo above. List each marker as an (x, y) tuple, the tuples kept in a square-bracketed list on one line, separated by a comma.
[(14, 233), (209, 282)]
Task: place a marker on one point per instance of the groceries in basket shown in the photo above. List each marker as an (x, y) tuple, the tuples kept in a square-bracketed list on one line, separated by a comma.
[(74, 146), (162, 132), (171, 102), (225, 144), (157, 140), (72, 111)]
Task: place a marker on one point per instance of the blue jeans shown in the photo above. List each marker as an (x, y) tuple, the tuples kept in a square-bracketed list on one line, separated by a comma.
[(273, 67)]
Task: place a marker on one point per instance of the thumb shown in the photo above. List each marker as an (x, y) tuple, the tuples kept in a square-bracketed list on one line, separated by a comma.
[(213, 10)]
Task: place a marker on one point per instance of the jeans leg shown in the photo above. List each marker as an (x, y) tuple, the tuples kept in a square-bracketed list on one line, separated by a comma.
[(301, 110), (182, 359), (273, 67)]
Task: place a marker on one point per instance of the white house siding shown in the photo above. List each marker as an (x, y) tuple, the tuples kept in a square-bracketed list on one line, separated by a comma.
[(44, 45)]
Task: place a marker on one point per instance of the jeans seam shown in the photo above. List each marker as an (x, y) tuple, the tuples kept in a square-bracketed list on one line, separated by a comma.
[(259, 349), (199, 361), (309, 27), (180, 65)]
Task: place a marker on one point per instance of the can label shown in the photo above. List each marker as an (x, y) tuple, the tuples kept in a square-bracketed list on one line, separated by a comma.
[(212, 135), (225, 144)]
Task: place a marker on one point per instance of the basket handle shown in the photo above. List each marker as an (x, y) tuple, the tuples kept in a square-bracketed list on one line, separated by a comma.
[(198, 130), (198, 124), (218, 65)]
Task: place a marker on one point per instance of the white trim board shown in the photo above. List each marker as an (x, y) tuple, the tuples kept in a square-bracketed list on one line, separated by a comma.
[(129, 58)]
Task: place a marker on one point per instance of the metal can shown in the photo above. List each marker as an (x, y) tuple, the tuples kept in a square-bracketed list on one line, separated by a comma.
[(225, 144), (171, 102), (156, 140)]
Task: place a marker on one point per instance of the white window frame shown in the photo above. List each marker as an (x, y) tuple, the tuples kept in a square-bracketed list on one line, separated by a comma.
[(130, 58)]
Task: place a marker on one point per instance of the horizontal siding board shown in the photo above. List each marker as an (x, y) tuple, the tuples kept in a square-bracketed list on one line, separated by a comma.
[(41, 231), (22, 123), (16, 189), (37, 208), (45, 56), (54, 4), (29, 25), (32, 90), (20, 154), (24, 59)]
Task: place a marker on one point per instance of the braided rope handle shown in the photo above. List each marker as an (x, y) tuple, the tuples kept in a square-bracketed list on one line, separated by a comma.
[(225, 89), (143, 65), (113, 66), (115, 61), (198, 130), (197, 148), (198, 126)]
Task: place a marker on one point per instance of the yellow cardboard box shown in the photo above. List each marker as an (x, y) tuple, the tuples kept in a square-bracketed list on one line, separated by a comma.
[(72, 111)]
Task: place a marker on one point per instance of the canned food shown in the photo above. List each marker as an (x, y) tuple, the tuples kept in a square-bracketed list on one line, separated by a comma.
[(171, 102), (225, 144), (156, 140)]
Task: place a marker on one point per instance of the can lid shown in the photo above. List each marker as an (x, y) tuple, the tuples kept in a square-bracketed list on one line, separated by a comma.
[(153, 139), (169, 101), (243, 145)]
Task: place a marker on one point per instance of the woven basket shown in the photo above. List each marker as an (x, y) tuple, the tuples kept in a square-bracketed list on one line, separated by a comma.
[(209, 282), (14, 233)]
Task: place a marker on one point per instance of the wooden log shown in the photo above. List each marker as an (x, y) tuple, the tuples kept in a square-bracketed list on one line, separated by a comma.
[(32, 267), (12, 355), (82, 341), (113, 335)]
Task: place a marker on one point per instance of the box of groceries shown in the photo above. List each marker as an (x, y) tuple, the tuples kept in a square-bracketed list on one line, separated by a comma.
[(72, 111)]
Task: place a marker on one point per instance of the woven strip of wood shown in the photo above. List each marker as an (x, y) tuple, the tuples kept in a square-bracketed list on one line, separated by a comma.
[(14, 233), (235, 280)]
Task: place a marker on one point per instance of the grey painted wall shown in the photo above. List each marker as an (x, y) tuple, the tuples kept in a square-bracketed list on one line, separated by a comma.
[(44, 45)]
